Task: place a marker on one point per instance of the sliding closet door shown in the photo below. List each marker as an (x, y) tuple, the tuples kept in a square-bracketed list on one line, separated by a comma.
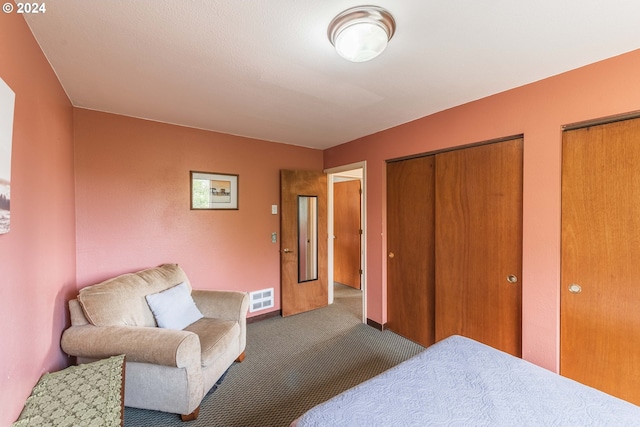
[(479, 244), (600, 280), (410, 245)]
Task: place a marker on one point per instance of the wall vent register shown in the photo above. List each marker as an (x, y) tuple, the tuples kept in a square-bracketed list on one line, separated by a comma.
[(259, 300)]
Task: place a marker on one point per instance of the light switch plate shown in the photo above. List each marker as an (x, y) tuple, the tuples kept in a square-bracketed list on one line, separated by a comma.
[(274, 209)]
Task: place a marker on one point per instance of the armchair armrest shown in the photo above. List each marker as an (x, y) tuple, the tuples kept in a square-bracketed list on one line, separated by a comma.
[(227, 305), (140, 344)]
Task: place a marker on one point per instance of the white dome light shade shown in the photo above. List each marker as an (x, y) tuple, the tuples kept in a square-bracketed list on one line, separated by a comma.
[(361, 33), (361, 42)]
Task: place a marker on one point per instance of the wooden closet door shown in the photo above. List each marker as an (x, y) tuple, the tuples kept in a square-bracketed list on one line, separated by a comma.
[(479, 244), (410, 245), (600, 279)]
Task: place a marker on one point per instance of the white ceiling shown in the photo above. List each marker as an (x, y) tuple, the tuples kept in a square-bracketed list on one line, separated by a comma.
[(265, 69)]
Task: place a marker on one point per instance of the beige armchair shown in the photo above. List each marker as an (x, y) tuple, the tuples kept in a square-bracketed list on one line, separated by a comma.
[(166, 370)]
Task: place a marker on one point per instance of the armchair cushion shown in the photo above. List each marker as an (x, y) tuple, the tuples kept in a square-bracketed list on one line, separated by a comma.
[(215, 335), (121, 301), (174, 308)]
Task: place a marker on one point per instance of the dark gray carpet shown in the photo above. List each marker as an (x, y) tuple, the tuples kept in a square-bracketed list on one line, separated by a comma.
[(293, 364)]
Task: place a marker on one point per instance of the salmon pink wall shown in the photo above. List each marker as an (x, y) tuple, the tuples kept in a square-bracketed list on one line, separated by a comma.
[(133, 202), (37, 256), (538, 111)]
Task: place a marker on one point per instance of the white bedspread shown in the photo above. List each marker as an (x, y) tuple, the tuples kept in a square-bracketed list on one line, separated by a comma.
[(460, 382)]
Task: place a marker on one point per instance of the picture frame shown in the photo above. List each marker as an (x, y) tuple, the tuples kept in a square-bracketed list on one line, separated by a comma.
[(213, 190), (7, 105)]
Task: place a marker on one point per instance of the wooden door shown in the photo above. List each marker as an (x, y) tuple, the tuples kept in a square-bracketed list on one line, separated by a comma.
[(347, 233), (299, 295), (600, 279), (479, 244), (410, 245)]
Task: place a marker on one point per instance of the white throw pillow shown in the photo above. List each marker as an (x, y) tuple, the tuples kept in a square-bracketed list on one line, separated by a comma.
[(174, 308)]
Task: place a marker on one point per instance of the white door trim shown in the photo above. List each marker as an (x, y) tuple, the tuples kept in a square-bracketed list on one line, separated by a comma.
[(363, 221)]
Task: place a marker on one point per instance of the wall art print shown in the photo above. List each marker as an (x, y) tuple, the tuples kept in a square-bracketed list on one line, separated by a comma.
[(212, 190), (7, 104)]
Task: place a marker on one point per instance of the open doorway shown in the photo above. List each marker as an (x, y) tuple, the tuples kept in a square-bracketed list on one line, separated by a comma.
[(347, 234)]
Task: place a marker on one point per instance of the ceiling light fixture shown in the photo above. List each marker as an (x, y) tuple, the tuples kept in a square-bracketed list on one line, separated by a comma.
[(361, 33)]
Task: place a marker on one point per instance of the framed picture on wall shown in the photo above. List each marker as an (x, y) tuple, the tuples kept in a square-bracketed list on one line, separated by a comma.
[(213, 190), (7, 101)]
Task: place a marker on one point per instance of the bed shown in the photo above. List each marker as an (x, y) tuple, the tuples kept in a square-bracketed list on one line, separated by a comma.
[(461, 382)]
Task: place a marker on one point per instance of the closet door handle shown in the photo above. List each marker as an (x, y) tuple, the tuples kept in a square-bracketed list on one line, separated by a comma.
[(512, 278), (391, 255)]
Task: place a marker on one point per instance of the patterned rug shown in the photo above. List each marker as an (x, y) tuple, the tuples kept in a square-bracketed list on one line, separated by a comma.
[(293, 364)]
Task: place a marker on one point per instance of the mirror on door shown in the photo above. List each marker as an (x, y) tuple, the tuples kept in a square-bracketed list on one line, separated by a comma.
[(307, 238)]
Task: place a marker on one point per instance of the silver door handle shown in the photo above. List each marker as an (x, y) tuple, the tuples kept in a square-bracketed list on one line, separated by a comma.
[(287, 251), (512, 278), (574, 288)]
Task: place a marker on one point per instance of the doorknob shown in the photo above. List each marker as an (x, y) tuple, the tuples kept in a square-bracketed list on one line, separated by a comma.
[(512, 278), (575, 288), (287, 251), (391, 254)]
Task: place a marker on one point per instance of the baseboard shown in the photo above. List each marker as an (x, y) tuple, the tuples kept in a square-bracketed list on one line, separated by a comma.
[(264, 316), (375, 324)]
